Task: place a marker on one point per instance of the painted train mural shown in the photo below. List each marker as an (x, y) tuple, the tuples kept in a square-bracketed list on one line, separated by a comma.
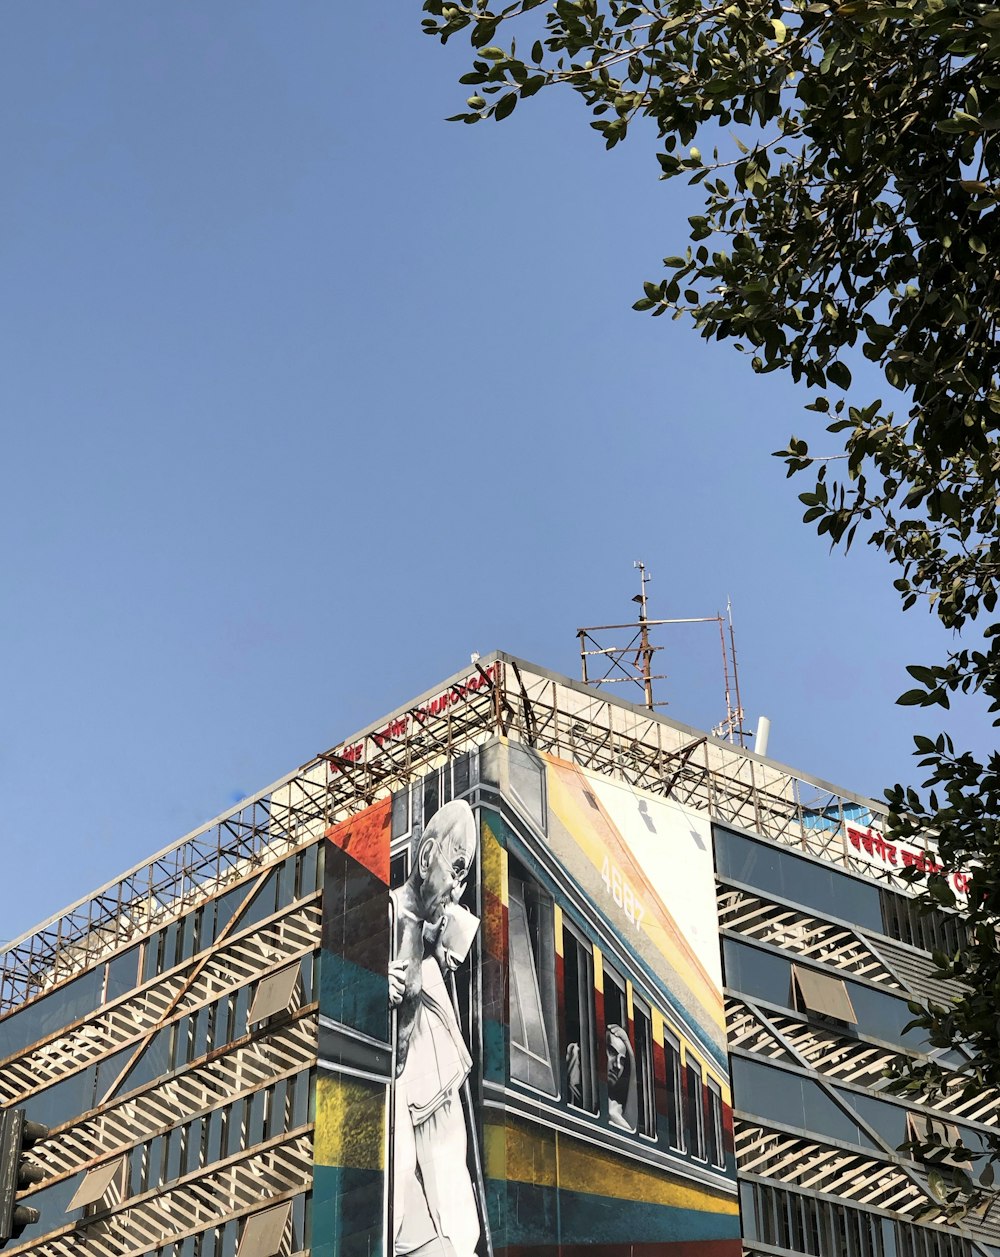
[(521, 1022)]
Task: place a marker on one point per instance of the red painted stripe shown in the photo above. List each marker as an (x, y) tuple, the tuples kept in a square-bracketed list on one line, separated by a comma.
[(365, 838)]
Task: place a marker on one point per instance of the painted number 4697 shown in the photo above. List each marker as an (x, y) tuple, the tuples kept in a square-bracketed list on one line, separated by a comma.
[(621, 892)]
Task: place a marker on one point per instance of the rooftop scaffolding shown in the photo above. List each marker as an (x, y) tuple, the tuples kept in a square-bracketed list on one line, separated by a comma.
[(501, 696)]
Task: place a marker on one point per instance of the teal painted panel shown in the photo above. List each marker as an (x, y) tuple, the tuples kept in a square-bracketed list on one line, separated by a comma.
[(495, 1052), (354, 996), (347, 1212)]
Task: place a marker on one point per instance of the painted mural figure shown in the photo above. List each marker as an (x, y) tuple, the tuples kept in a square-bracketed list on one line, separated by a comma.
[(434, 1202), (623, 1106), (623, 1102)]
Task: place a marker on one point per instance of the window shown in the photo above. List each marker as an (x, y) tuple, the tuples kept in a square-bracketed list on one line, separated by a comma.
[(813, 883), (794, 1220), (274, 993), (644, 1068), (821, 994), (262, 1232), (713, 1125), (103, 1185), (53, 1012), (123, 973), (675, 1120), (913, 922), (531, 958), (941, 1136), (581, 1055), (695, 1111), (623, 1105), (399, 869), (779, 1095)]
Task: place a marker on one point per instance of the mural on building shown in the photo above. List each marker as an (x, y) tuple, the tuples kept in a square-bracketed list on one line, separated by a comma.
[(436, 1195), (521, 1043)]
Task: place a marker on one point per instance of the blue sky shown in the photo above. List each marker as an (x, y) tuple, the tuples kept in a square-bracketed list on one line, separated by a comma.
[(308, 394)]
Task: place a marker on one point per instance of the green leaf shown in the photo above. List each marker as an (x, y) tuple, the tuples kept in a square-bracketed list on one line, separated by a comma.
[(505, 106)]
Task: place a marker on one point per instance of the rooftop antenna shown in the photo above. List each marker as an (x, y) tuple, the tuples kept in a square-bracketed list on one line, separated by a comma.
[(633, 662), (732, 727), (645, 650)]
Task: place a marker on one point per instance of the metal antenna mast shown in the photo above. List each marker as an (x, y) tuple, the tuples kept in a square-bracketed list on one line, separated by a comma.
[(633, 662), (645, 650)]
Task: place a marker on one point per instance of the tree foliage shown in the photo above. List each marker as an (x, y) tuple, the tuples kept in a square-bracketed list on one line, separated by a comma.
[(851, 200)]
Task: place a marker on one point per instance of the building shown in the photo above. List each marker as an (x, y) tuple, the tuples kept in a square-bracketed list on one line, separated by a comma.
[(519, 969)]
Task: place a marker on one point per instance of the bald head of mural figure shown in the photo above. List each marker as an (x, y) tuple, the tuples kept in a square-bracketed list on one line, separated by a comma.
[(442, 858)]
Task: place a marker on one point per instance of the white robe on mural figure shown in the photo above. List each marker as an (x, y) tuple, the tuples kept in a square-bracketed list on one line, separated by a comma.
[(434, 1203)]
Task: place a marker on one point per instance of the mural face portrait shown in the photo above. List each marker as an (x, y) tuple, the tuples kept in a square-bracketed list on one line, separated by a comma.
[(444, 857), (617, 1057), (622, 1097)]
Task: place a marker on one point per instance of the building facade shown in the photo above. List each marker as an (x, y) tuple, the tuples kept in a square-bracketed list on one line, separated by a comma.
[(519, 969)]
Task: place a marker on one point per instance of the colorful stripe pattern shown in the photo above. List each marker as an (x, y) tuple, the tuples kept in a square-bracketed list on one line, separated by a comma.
[(549, 1189), (352, 1111), (558, 1182)]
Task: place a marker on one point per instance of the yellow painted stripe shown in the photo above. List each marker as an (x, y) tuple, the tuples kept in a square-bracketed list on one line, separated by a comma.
[(586, 1169), (350, 1122), (549, 1159), (494, 860)]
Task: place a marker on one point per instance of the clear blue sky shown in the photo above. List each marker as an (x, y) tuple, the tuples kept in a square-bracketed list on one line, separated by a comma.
[(307, 394)]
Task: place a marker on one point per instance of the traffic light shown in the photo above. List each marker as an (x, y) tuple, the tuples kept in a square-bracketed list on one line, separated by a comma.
[(17, 1135)]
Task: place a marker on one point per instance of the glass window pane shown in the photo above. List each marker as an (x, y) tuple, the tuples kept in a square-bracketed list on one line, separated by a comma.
[(52, 1012), (171, 945), (694, 1111), (65, 1100), (672, 1056), (581, 1056), (226, 905), (301, 1095), (153, 1063), (172, 1156), (778, 1095), (255, 1120), (757, 973), (213, 1139), (189, 934), (713, 1132), (262, 905), (644, 1070), (531, 1052), (286, 882), (123, 973), (775, 870), (151, 957)]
